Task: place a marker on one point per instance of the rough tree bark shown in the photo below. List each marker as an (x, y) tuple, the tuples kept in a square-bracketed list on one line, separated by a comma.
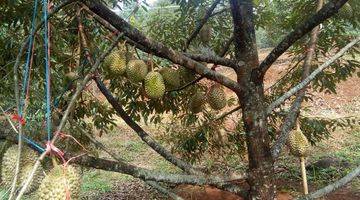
[(251, 98)]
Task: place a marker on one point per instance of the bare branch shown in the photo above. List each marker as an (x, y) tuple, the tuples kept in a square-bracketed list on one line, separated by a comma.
[(306, 81), (201, 24), (220, 12), (215, 60), (326, 12), (332, 187), (157, 48), (149, 175)]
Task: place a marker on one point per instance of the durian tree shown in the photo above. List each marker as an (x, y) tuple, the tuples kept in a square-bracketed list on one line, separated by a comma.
[(154, 63)]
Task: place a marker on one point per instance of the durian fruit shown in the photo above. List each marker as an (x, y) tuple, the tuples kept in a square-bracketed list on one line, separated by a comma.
[(205, 34), (27, 161), (154, 85), (197, 102), (4, 145), (216, 97), (185, 75), (62, 182), (171, 78), (298, 143), (116, 62), (299, 147), (136, 70), (346, 11)]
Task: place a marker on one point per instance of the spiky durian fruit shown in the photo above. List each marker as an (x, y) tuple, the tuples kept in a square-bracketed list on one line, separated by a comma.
[(298, 143), (171, 78), (136, 70), (27, 161), (154, 85), (59, 184), (116, 62), (346, 11), (205, 33), (216, 97), (4, 145), (197, 101), (185, 75)]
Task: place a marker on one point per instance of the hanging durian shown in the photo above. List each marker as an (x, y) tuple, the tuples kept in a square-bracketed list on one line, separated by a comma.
[(299, 147), (62, 182), (216, 97), (185, 75), (27, 161), (116, 62), (205, 34), (154, 85), (136, 70), (171, 78), (197, 101)]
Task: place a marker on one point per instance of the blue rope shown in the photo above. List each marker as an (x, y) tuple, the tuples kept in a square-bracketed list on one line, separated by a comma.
[(33, 144), (47, 71), (28, 57)]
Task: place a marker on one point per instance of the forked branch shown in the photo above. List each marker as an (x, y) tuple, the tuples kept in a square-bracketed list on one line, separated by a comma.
[(326, 12)]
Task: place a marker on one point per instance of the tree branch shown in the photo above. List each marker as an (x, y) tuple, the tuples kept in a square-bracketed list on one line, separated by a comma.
[(290, 119), (141, 132), (157, 48), (222, 54), (220, 11), (215, 60), (326, 12), (201, 24), (306, 81), (332, 187)]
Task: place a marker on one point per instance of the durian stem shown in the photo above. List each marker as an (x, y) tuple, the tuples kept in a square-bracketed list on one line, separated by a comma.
[(298, 124), (303, 175)]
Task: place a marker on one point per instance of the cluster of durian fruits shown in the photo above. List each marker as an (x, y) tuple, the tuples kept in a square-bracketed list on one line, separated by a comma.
[(60, 183), (156, 83), (215, 97)]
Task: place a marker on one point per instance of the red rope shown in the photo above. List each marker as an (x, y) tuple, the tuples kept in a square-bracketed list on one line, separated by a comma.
[(19, 119)]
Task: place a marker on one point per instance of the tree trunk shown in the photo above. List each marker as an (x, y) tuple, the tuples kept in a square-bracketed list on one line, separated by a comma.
[(261, 169), (252, 101)]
